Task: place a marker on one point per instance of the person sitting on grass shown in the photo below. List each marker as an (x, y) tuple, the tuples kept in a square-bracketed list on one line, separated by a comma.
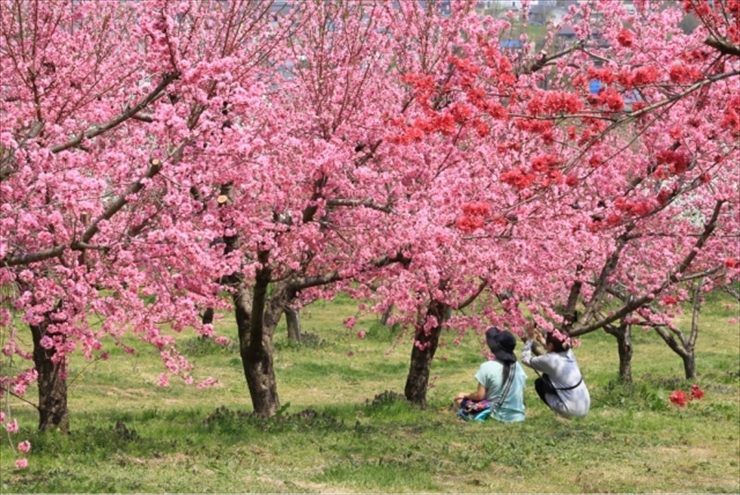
[(500, 392), (561, 384)]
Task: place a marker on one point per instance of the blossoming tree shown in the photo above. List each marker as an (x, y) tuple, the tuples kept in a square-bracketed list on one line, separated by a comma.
[(108, 112), (615, 196)]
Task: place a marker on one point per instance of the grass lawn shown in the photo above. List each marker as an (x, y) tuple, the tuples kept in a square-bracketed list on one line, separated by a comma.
[(344, 429)]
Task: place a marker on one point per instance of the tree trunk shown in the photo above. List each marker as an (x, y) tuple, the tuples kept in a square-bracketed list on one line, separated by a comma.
[(293, 320), (255, 349), (623, 334), (386, 315), (421, 358), (52, 383), (677, 341), (207, 318), (689, 366)]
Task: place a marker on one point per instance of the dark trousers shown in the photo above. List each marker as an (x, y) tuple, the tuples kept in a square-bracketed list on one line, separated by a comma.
[(539, 386)]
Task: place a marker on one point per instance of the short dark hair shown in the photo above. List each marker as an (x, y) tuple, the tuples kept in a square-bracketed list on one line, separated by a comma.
[(557, 344)]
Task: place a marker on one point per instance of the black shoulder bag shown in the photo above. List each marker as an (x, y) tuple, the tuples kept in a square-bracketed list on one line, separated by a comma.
[(552, 389)]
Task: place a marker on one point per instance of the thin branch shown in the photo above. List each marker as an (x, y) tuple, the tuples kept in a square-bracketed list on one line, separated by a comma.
[(467, 302), (18, 397), (544, 59), (602, 282)]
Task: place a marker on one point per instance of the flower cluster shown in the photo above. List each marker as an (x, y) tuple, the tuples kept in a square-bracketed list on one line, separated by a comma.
[(680, 398)]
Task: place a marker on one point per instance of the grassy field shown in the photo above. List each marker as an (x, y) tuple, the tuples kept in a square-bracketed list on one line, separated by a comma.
[(344, 428)]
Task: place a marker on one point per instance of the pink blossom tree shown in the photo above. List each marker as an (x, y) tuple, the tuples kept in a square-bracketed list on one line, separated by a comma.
[(108, 113), (604, 200)]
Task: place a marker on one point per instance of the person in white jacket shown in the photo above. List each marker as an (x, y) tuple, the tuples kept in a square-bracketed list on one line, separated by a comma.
[(561, 384)]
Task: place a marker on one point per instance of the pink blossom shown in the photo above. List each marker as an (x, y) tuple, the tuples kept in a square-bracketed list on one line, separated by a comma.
[(207, 383), (164, 380), (221, 340), (361, 334), (12, 426), (46, 342), (350, 322), (2, 417), (24, 446), (21, 463)]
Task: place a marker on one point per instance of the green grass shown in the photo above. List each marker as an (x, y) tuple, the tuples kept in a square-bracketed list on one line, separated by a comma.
[(343, 427)]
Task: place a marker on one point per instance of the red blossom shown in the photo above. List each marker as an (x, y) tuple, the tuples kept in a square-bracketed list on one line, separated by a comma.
[(663, 196), (645, 75), (696, 392), (469, 224), (669, 300), (678, 398), (732, 262), (679, 161), (676, 133), (543, 163), (613, 219), (517, 178), (461, 113), (625, 37), (481, 128), (477, 209), (606, 76), (682, 74)]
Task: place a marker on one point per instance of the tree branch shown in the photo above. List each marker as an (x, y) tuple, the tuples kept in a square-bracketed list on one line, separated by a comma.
[(334, 276), (96, 130), (673, 278), (367, 203), (154, 167), (722, 46), (467, 302)]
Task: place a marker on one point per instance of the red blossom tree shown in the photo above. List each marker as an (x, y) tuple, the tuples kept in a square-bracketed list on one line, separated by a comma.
[(613, 199)]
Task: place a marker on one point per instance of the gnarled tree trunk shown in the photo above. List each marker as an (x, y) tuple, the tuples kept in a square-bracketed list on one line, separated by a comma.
[(623, 334), (255, 349), (422, 353), (52, 382)]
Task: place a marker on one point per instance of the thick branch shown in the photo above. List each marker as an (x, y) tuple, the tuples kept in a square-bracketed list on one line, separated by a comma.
[(129, 113), (722, 46), (367, 203), (575, 291), (154, 168), (334, 276), (668, 338), (695, 315), (673, 278), (602, 283), (310, 210)]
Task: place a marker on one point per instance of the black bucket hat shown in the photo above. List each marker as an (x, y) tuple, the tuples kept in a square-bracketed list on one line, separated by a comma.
[(501, 343)]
